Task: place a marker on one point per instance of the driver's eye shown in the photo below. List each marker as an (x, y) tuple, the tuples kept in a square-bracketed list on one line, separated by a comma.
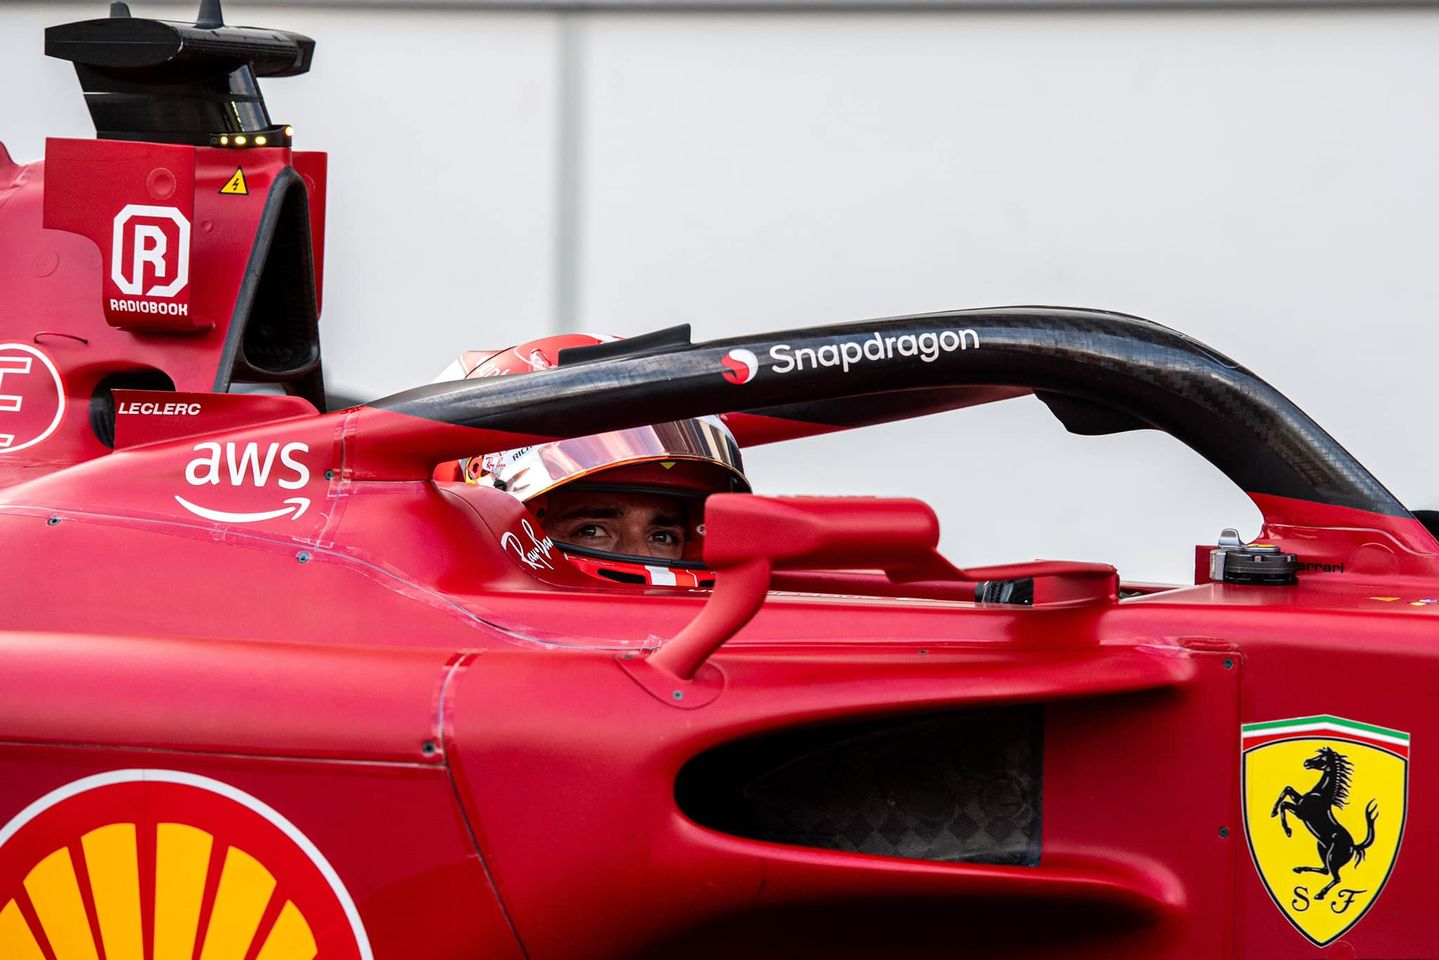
[(588, 531), (667, 537)]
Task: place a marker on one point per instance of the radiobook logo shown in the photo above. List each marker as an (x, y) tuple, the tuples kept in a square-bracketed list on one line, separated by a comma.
[(150, 251)]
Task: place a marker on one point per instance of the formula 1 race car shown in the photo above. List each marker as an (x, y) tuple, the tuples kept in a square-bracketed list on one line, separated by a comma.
[(270, 690)]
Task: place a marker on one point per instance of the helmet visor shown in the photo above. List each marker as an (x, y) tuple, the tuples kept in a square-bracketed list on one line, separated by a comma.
[(529, 472)]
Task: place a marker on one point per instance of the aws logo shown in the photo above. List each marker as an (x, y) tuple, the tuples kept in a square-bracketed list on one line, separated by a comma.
[(167, 865), (248, 467)]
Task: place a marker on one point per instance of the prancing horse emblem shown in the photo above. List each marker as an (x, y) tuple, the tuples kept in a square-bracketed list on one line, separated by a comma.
[(1315, 810), (1356, 853)]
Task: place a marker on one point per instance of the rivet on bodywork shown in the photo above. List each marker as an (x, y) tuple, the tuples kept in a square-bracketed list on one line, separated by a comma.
[(678, 694), (52, 521), (429, 748), (1224, 831), (303, 556), (1228, 663)]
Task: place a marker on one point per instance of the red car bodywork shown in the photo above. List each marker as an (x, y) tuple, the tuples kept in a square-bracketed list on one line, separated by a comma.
[(267, 625)]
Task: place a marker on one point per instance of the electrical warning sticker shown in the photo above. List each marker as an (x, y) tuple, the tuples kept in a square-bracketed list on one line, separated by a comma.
[(160, 864), (235, 186)]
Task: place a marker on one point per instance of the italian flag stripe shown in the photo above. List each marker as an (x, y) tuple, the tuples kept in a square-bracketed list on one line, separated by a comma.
[(1323, 724), (1261, 739)]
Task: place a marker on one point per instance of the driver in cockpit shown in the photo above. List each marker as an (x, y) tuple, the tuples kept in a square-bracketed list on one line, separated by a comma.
[(625, 506)]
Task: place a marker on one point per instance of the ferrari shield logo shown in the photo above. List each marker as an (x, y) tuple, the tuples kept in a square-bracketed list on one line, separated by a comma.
[(1324, 806)]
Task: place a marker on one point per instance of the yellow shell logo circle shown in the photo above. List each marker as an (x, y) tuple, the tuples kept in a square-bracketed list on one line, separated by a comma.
[(165, 865)]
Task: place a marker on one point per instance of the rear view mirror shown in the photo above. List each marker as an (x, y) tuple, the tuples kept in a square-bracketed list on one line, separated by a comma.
[(750, 541)]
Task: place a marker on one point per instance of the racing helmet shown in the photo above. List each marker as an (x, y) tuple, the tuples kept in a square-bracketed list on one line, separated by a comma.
[(683, 460)]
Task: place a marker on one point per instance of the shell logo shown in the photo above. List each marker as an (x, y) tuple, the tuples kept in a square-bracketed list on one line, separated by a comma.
[(165, 865)]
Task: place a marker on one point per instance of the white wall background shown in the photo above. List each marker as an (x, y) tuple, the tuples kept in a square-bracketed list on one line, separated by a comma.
[(1264, 180)]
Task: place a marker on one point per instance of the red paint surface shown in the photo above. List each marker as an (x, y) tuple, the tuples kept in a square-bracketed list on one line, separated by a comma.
[(483, 750), (552, 769)]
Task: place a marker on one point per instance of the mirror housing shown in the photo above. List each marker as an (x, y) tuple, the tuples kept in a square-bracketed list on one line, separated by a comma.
[(749, 538)]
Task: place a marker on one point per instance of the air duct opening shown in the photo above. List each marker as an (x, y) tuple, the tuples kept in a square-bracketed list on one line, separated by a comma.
[(959, 787), (102, 400)]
